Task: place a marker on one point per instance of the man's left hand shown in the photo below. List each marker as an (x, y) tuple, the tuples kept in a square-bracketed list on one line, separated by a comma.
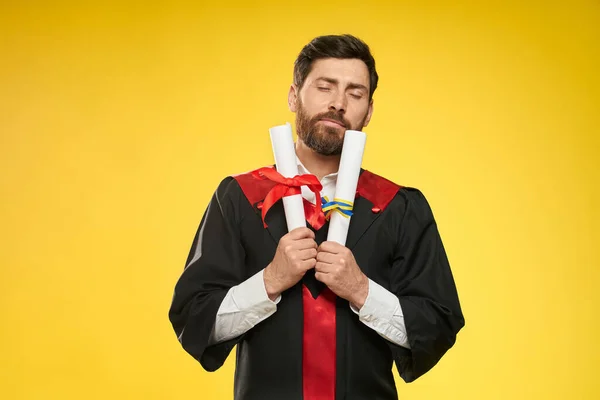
[(337, 268)]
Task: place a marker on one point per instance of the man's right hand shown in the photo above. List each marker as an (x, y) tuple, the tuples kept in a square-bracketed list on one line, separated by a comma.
[(296, 253)]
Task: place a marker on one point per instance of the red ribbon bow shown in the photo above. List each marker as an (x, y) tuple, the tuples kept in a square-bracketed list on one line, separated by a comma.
[(289, 187)]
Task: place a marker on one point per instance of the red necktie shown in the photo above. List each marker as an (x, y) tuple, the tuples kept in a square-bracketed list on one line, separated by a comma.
[(319, 345)]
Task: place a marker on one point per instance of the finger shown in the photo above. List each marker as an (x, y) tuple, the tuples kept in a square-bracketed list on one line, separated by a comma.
[(307, 254), (324, 267), (322, 277), (308, 264), (301, 233), (331, 247), (329, 258), (304, 244)]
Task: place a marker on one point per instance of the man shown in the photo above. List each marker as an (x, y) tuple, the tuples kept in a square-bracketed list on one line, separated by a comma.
[(313, 319)]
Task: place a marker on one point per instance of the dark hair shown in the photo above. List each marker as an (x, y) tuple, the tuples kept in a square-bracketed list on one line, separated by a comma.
[(334, 46)]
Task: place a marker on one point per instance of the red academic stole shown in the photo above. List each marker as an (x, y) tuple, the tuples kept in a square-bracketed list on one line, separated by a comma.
[(266, 185)]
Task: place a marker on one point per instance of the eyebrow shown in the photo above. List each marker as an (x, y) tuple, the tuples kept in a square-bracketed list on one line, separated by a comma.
[(336, 82)]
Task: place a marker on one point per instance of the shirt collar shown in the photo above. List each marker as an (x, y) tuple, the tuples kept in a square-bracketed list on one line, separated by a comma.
[(302, 170)]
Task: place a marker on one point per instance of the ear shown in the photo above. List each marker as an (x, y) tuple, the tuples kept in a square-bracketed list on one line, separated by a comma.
[(293, 98), (369, 113)]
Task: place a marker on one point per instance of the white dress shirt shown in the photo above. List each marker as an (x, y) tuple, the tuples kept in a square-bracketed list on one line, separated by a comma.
[(247, 304)]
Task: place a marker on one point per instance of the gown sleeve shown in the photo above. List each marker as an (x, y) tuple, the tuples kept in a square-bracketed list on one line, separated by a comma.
[(215, 263), (422, 279)]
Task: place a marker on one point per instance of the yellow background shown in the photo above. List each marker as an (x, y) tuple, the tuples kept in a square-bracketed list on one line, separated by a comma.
[(118, 121)]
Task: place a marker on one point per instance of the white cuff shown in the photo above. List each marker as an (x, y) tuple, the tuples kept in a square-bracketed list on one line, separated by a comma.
[(252, 293), (380, 304), (244, 306), (382, 312)]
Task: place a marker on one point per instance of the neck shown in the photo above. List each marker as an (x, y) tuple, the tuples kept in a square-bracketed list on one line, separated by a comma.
[(318, 164)]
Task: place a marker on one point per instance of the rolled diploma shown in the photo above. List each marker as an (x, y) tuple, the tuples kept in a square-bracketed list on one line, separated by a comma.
[(347, 180), (285, 160)]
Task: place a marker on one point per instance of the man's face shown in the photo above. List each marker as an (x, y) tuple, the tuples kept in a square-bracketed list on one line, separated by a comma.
[(333, 99)]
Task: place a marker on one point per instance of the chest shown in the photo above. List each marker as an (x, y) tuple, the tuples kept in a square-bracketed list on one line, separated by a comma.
[(373, 251)]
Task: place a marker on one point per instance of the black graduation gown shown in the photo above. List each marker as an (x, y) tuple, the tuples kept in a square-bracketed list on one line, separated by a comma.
[(395, 243)]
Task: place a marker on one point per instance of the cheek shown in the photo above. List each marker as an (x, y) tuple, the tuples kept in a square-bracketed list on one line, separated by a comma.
[(358, 114), (316, 103)]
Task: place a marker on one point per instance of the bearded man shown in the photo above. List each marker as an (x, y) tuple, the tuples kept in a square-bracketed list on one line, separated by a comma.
[(313, 319)]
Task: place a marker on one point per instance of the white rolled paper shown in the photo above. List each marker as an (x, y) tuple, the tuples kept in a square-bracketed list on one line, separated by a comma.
[(285, 161), (347, 180)]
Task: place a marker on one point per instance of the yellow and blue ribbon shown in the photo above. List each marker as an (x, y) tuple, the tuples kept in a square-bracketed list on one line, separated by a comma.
[(340, 206)]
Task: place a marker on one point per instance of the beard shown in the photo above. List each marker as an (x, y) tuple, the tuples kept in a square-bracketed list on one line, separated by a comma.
[(323, 139)]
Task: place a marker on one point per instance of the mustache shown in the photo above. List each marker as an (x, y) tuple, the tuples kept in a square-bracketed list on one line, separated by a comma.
[(332, 115)]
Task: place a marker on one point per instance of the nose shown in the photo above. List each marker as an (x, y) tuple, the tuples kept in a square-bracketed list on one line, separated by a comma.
[(338, 102)]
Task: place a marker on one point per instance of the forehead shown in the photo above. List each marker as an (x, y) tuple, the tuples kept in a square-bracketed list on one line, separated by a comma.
[(344, 70)]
